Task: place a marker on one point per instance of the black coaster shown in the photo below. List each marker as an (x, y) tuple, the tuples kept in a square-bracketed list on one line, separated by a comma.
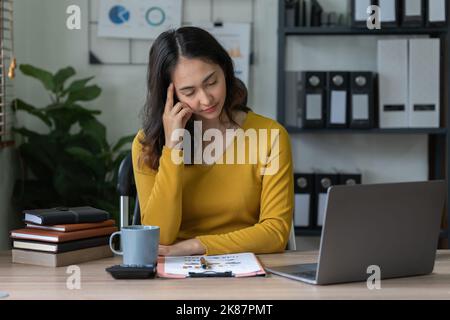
[(121, 271)]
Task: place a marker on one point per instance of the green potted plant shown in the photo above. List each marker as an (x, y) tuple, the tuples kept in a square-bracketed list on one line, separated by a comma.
[(72, 164)]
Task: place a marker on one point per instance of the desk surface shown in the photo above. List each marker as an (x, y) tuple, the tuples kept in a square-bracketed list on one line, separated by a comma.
[(33, 282)]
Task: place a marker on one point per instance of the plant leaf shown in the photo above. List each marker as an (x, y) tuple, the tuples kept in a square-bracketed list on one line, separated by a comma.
[(84, 141), (79, 152), (71, 106), (34, 194), (67, 114), (38, 158), (87, 159), (95, 130), (123, 141), (85, 111), (77, 85), (85, 94), (63, 119), (25, 132), (61, 76), (23, 106), (44, 76), (71, 184)]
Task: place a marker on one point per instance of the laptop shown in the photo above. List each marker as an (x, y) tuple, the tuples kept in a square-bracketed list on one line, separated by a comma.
[(393, 226)]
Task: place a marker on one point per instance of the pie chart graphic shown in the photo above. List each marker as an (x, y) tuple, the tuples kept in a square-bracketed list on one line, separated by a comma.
[(119, 15), (155, 16)]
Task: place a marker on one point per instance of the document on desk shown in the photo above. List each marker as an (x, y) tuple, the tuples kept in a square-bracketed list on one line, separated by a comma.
[(227, 265)]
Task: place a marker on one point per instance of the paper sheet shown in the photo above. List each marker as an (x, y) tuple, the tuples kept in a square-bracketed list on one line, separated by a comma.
[(360, 109), (413, 7), (302, 205), (313, 107), (338, 107), (387, 8), (236, 263), (321, 208), (138, 19), (361, 9), (436, 10), (235, 38)]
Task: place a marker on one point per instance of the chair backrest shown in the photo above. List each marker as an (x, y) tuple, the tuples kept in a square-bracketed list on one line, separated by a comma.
[(127, 188)]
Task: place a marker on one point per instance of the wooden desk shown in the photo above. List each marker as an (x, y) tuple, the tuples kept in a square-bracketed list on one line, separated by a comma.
[(34, 282)]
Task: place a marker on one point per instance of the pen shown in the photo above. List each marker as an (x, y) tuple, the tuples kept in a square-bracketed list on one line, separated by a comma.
[(204, 263), (211, 274)]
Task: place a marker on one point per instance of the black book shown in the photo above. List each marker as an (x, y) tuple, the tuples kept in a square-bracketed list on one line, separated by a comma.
[(63, 215), (60, 247)]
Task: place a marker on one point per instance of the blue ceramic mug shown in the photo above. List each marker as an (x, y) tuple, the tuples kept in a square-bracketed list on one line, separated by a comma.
[(139, 245)]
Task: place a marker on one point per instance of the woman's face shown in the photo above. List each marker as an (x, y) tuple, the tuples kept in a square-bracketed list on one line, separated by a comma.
[(201, 86)]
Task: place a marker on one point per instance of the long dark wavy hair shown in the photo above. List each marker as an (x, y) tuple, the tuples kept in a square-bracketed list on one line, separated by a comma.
[(188, 42)]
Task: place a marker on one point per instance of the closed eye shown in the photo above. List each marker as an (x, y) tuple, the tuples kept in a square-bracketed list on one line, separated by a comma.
[(209, 84)]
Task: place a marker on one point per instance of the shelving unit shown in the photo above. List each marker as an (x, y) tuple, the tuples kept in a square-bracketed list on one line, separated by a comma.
[(433, 131), (438, 138), (6, 83), (305, 31)]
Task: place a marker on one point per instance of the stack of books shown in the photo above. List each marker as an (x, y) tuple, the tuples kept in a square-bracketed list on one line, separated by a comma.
[(63, 236)]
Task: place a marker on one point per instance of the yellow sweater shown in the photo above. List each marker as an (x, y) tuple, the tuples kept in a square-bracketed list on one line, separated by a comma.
[(229, 208)]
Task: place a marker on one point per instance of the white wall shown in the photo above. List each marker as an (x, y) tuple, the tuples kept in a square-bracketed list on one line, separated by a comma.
[(42, 39)]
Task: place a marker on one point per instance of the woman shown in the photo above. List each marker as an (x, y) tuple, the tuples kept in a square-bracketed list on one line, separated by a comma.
[(209, 207)]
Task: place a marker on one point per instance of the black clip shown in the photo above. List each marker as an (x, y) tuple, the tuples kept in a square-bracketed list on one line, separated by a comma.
[(207, 274)]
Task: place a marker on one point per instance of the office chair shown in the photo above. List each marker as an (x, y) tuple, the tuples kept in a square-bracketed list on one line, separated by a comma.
[(127, 188)]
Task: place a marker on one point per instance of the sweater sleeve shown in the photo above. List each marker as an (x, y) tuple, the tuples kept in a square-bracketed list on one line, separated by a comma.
[(159, 192), (271, 233)]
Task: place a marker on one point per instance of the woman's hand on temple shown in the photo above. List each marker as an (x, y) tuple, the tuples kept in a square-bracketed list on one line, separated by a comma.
[(174, 117), (182, 248)]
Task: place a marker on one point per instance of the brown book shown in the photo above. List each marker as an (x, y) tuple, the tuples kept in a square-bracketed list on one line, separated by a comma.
[(61, 247), (73, 227), (55, 236), (60, 259)]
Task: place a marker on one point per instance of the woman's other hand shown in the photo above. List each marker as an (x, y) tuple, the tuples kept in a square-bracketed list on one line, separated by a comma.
[(183, 248)]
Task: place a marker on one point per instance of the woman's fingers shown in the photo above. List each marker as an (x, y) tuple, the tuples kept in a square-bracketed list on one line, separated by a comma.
[(181, 110), (174, 117), (169, 99), (185, 114), (176, 108), (163, 250)]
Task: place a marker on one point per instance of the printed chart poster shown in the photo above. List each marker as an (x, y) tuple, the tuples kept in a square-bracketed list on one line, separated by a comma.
[(138, 19), (235, 38)]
